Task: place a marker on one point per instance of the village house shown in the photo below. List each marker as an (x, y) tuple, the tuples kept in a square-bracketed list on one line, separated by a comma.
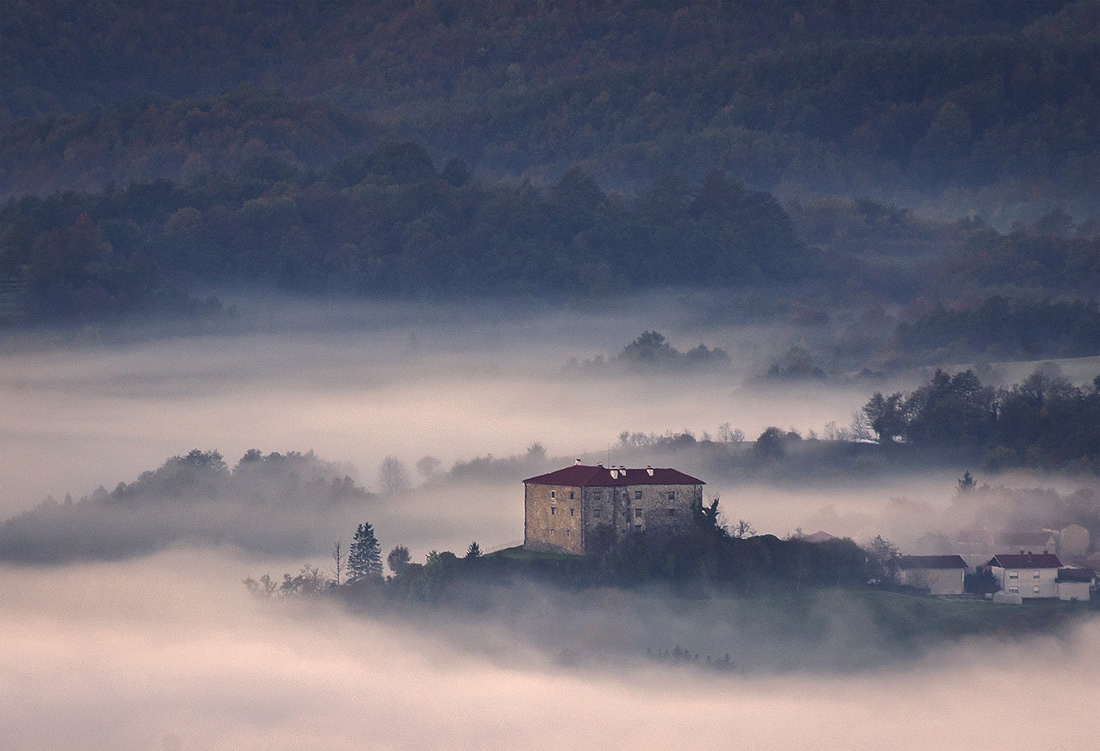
[(939, 574), (1030, 575), (587, 509)]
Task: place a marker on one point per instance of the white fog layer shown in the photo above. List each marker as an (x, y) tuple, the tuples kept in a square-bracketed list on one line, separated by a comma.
[(168, 653), (73, 420), (136, 631)]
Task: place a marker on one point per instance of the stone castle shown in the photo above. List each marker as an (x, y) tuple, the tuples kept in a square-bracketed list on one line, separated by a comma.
[(589, 509)]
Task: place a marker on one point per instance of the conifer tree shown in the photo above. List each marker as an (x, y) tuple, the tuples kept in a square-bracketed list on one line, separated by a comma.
[(364, 555)]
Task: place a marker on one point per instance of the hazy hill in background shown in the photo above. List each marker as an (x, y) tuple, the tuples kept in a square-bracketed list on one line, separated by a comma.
[(934, 154)]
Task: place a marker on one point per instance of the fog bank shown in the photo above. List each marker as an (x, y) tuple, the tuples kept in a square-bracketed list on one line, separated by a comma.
[(170, 653)]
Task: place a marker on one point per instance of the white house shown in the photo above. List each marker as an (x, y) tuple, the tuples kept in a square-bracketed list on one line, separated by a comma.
[(1030, 575), (939, 574)]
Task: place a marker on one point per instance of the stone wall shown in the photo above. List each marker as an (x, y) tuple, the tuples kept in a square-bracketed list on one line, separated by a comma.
[(564, 519), (553, 519)]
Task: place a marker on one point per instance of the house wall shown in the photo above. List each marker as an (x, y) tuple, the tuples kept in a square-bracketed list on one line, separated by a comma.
[(643, 509), (1027, 580), (553, 519), (938, 581), (1074, 591)]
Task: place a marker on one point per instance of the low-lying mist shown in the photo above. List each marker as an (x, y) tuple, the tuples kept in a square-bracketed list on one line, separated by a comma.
[(424, 420), (358, 384), (169, 653)]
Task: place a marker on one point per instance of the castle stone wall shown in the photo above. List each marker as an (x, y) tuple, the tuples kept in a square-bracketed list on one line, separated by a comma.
[(569, 519)]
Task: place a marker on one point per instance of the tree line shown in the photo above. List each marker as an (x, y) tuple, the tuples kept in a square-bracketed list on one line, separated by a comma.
[(384, 222), (709, 554), (1044, 422)]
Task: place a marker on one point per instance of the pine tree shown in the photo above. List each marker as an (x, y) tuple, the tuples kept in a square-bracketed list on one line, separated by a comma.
[(364, 555)]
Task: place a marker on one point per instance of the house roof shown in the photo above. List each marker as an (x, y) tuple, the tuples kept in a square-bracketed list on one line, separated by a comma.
[(931, 561), (599, 476), (1026, 560), (1076, 575)]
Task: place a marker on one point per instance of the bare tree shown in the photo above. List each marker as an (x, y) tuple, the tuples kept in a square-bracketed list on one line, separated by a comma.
[(860, 427), (337, 569), (742, 529), (392, 476)]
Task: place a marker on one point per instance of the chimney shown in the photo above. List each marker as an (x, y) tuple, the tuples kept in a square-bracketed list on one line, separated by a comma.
[(649, 470), (614, 474), (577, 463)]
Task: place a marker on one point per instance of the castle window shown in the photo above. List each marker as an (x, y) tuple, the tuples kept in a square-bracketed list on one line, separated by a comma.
[(596, 513), (1034, 574), (637, 527), (552, 511), (637, 495), (571, 495), (553, 494), (672, 495), (597, 495), (637, 513), (1035, 590), (672, 512), (1013, 574), (1014, 590), (571, 511)]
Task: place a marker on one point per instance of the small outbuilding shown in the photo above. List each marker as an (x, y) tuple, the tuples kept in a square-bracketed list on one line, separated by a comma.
[(939, 574), (1075, 584)]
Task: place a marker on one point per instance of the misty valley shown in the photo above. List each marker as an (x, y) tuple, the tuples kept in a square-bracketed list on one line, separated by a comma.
[(412, 374), (778, 572)]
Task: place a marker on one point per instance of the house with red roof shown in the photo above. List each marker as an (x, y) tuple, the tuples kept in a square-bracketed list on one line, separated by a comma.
[(586, 509), (1030, 575)]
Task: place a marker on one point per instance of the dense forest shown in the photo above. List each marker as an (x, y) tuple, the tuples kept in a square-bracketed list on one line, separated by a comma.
[(990, 101), (389, 221), (926, 167)]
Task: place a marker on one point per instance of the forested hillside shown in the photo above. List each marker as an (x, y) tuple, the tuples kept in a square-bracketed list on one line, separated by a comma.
[(985, 102), (890, 158), (385, 223)]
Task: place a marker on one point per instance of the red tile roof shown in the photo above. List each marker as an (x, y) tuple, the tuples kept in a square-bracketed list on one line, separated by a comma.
[(585, 476), (931, 561), (1027, 560)]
